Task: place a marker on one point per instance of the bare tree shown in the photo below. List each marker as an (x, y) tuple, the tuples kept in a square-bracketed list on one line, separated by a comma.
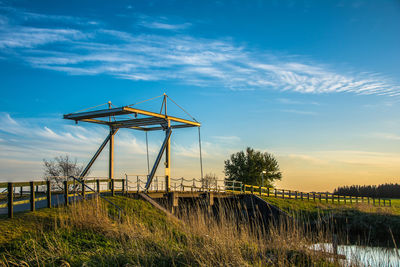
[(209, 181), (59, 169)]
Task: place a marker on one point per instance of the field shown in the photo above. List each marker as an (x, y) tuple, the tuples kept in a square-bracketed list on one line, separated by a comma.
[(85, 234)]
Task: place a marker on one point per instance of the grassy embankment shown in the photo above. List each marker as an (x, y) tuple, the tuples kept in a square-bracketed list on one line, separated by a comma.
[(357, 223), (85, 234)]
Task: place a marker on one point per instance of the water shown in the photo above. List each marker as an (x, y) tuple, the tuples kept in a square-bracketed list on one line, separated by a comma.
[(364, 256)]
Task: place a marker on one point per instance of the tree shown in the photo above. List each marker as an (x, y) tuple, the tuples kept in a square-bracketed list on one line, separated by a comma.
[(247, 166), (59, 169), (210, 180)]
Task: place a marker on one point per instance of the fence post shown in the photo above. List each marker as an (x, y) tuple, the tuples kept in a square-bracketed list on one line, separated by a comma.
[(275, 192), (137, 183), (112, 187), (390, 202), (83, 188), (123, 186), (344, 197), (290, 194), (308, 196), (252, 189), (379, 201), (320, 197), (384, 204), (301, 195), (10, 200), (48, 185), (20, 191), (368, 200), (66, 193), (98, 185), (313, 196), (283, 193), (32, 196), (333, 198), (267, 191), (362, 199)]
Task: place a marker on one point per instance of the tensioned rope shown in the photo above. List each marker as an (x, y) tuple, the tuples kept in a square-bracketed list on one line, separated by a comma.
[(147, 150), (145, 100), (201, 158), (182, 108), (90, 108)]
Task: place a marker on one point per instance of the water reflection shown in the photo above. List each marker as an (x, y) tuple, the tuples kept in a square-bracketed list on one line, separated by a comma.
[(364, 256)]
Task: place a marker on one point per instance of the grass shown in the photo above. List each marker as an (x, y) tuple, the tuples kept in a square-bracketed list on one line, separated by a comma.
[(84, 234), (360, 223)]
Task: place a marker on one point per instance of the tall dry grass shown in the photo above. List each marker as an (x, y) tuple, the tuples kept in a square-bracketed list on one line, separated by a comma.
[(85, 234)]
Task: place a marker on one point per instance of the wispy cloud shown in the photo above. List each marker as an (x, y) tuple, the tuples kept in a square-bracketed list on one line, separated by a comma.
[(300, 112), (388, 136), (94, 50)]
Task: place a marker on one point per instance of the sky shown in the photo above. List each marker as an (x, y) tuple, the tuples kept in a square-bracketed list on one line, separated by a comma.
[(315, 83)]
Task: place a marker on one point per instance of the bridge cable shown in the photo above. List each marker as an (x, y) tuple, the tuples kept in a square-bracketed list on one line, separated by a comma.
[(90, 108), (201, 158), (182, 109), (147, 150), (144, 100)]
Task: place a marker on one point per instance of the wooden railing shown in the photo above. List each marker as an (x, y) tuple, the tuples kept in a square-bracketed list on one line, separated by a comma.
[(43, 190), (316, 197)]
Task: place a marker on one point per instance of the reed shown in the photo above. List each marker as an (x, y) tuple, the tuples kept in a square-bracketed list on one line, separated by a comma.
[(86, 234)]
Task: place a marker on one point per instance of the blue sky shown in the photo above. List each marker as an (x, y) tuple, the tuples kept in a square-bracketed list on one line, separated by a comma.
[(314, 82)]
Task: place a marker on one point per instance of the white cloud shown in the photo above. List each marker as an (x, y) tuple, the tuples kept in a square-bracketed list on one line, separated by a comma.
[(388, 136), (300, 112), (94, 50)]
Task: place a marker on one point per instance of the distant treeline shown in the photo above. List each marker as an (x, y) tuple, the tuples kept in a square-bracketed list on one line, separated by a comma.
[(382, 190)]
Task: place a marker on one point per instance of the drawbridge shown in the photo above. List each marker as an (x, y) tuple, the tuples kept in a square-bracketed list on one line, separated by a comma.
[(129, 117)]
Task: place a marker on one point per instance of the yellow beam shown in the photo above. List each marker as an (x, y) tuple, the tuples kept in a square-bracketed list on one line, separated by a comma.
[(158, 115)]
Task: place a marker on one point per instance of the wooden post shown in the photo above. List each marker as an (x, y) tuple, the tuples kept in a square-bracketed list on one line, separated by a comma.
[(66, 193), (333, 198), (275, 192), (252, 189), (283, 193), (373, 201), (10, 200), (308, 196), (320, 197), (384, 204), (390, 202), (368, 200), (123, 186), (351, 199), (112, 187), (83, 188), (48, 185), (326, 198), (267, 191), (32, 196), (301, 195), (379, 201), (344, 198), (362, 199), (98, 185), (290, 194), (20, 191), (137, 184), (313, 196)]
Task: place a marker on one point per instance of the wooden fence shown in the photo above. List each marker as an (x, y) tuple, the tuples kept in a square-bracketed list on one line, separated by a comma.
[(42, 190), (316, 197)]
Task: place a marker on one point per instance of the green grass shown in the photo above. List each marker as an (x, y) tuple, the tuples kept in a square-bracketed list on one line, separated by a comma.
[(85, 235), (361, 223)]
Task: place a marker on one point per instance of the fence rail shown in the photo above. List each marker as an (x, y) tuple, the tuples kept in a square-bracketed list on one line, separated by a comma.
[(313, 196), (18, 193)]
